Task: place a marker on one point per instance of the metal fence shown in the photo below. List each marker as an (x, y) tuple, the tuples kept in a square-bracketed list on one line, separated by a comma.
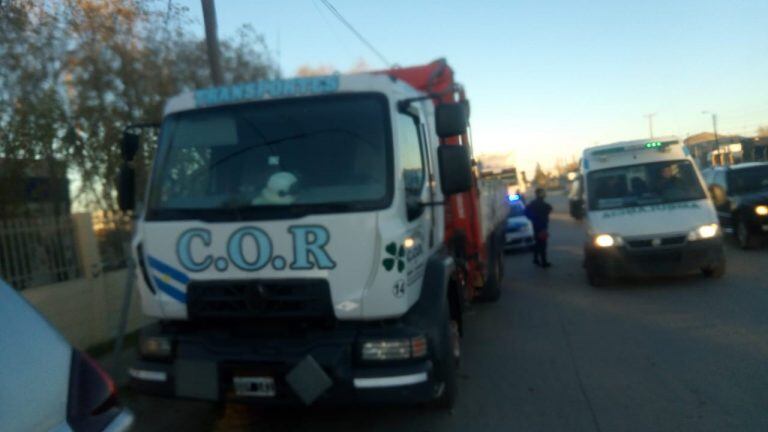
[(113, 234), (38, 251)]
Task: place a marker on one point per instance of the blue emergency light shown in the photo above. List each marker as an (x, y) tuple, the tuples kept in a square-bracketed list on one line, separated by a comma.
[(513, 197)]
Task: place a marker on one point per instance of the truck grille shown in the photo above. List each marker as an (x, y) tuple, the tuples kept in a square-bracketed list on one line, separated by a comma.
[(293, 299), (660, 241)]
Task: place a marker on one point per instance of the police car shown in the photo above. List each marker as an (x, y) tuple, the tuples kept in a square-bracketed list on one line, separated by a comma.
[(519, 231), (648, 212)]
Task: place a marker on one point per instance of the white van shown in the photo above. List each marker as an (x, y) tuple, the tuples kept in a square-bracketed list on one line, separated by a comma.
[(648, 212)]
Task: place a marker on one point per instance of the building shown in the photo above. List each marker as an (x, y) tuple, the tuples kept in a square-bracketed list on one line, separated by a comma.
[(755, 149), (33, 187), (703, 144)]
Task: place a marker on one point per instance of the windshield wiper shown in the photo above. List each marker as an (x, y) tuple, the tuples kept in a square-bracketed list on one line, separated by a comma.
[(270, 143)]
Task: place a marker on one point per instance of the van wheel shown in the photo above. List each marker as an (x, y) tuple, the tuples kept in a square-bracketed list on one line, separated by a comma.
[(446, 365), (715, 271), (746, 239)]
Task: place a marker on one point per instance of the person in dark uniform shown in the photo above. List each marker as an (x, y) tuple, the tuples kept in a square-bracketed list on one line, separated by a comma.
[(538, 212)]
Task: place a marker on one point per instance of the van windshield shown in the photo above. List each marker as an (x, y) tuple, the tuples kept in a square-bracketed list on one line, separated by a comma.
[(265, 159), (643, 184)]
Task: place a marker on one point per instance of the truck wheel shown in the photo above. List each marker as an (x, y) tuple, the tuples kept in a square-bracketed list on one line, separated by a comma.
[(746, 239), (491, 291), (446, 365), (715, 271)]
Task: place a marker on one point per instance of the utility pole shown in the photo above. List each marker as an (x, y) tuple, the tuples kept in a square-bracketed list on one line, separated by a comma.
[(717, 138), (650, 122), (212, 41)]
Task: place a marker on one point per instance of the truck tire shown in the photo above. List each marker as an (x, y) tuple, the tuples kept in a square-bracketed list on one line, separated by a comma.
[(446, 366), (715, 271), (491, 291)]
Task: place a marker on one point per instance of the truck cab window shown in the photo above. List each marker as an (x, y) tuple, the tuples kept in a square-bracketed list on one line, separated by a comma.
[(411, 157), (311, 153)]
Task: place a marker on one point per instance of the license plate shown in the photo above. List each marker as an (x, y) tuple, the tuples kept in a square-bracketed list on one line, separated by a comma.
[(254, 386)]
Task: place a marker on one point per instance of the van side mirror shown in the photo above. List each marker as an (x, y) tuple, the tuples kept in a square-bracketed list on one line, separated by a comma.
[(455, 169), (126, 187), (451, 119), (129, 145)]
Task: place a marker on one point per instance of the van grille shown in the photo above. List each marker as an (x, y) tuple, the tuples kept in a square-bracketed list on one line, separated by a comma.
[(661, 241), (293, 299)]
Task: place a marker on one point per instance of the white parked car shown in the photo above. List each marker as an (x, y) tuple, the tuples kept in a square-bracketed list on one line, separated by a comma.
[(46, 384), (519, 230)]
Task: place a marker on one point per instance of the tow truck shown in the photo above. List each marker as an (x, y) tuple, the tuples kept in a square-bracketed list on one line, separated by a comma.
[(313, 240)]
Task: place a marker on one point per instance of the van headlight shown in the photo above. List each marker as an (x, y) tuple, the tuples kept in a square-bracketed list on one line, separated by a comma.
[(762, 210), (704, 232), (607, 240)]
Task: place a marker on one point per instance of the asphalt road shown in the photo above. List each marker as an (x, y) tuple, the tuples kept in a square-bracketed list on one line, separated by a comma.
[(674, 354)]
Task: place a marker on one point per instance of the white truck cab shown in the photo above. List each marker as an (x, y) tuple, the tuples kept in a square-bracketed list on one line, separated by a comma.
[(292, 243), (647, 212)]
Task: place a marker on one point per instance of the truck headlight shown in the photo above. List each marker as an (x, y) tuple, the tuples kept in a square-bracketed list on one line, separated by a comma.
[(394, 349), (606, 241), (704, 232), (762, 210), (156, 347)]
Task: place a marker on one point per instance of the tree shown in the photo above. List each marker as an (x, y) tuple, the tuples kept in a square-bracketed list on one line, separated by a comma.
[(762, 131), (308, 70), (75, 72)]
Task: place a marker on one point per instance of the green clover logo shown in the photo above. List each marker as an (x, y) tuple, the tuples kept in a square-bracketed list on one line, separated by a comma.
[(396, 255)]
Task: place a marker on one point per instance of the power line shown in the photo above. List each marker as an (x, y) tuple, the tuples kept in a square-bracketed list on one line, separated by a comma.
[(332, 29), (362, 39)]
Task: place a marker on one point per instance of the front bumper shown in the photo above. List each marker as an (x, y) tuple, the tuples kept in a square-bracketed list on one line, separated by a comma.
[(518, 239), (653, 261), (758, 225), (121, 423), (205, 367)]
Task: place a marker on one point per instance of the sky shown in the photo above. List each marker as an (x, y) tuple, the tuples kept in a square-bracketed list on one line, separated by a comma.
[(546, 78)]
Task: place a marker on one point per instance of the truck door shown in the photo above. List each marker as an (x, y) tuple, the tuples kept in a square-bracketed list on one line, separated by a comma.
[(414, 173)]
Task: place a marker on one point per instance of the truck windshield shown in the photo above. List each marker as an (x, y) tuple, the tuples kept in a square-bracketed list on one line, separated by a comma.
[(273, 159), (643, 184), (747, 180)]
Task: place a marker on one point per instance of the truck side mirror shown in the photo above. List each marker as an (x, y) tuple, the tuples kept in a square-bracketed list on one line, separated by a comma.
[(451, 119), (126, 187), (129, 145), (455, 169)]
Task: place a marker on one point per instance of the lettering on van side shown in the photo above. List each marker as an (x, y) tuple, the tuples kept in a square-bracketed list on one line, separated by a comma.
[(607, 214), (309, 244)]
